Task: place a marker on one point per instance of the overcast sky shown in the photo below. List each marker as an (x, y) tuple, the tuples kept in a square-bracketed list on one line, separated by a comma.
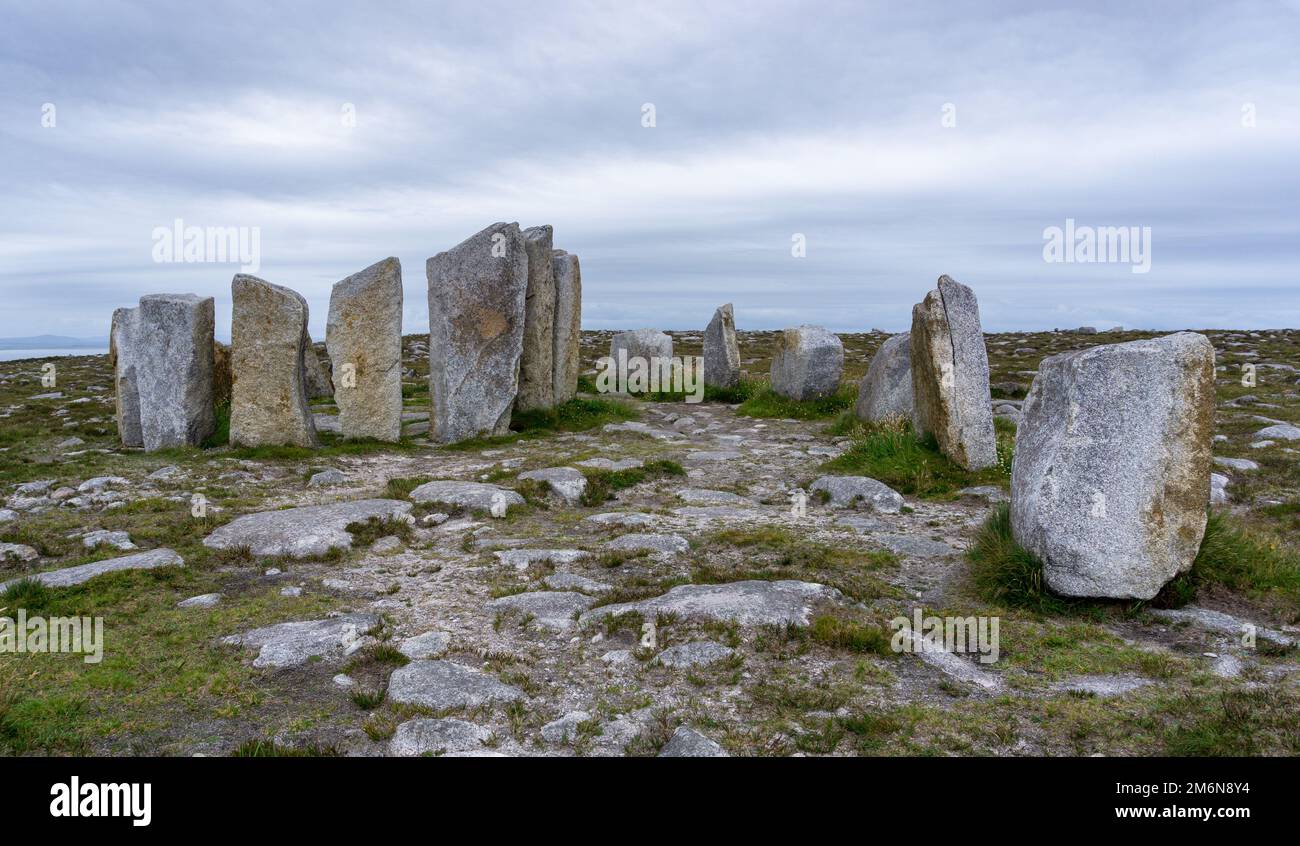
[(832, 121)]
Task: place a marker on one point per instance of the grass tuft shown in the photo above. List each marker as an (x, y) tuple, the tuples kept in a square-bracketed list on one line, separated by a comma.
[(765, 402)]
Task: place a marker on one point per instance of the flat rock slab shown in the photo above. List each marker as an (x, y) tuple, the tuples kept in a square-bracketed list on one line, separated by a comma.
[(572, 581), (848, 491), (476, 496), (864, 524), (425, 736), (1103, 686), (555, 610), (700, 496), (439, 685), (566, 483), (1221, 622), (698, 653), (660, 544), (306, 532), (1241, 465), (424, 646), (1285, 431), (566, 728), (689, 743), (522, 559), (716, 512), (749, 603), (294, 644), (70, 576), (203, 600), (612, 464), (912, 546), (624, 519)]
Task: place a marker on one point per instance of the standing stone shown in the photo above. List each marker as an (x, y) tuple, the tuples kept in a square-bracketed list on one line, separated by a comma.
[(268, 335), (477, 298), (122, 352), (364, 337), (950, 376), (316, 375), (568, 324), (885, 393), (807, 363), (721, 353), (642, 343), (173, 368), (1112, 467), (536, 362)]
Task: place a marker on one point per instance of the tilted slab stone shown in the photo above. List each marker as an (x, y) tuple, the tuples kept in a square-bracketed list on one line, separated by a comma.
[(306, 532), (807, 362), (568, 324), (122, 352), (268, 337), (1111, 474), (439, 685), (885, 393), (721, 353), (70, 576), (294, 644), (477, 294), (537, 359), (750, 603), (477, 496), (950, 376), (173, 368), (364, 338)]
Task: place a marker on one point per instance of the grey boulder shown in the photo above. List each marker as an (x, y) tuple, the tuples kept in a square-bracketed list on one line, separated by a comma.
[(439, 685), (807, 362), (296, 643), (885, 393), (308, 531), (749, 603), (689, 743), (848, 491)]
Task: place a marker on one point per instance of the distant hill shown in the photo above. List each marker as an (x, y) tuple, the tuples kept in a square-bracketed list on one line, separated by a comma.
[(49, 342)]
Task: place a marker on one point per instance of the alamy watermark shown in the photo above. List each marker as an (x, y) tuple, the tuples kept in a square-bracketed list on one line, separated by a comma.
[(39, 635), (217, 244), (962, 635), (637, 374), (1074, 244)]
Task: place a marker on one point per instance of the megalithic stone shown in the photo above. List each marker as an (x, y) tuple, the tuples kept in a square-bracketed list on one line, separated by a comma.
[(268, 404), (885, 392), (721, 353), (317, 375), (950, 376), (536, 362), (173, 365), (122, 352), (477, 292), (1111, 474), (568, 324), (364, 338), (807, 363)]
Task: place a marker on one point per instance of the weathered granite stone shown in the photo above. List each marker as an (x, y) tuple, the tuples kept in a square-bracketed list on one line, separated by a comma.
[(568, 324), (522, 559), (439, 685), (268, 336), (885, 393), (848, 491), (296, 643), (427, 645), (477, 299), (305, 532), (950, 376), (425, 736), (69, 576), (689, 743), (697, 653), (122, 352), (1112, 467), (551, 609), (172, 361), (364, 337), (749, 603), (566, 728), (315, 373), (721, 353), (537, 359), (650, 346), (221, 375), (807, 363), (659, 544), (567, 483), (476, 496)]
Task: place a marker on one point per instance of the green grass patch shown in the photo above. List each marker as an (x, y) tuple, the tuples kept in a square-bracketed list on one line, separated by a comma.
[(577, 415), (765, 402), (602, 485), (1239, 559), (271, 749), (772, 553), (891, 454)]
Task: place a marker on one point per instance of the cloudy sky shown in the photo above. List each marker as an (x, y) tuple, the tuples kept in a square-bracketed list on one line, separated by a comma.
[(900, 140)]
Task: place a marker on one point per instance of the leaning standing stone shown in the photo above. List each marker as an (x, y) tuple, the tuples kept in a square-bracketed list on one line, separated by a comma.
[(721, 353), (268, 334), (568, 324), (885, 392), (807, 363), (950, 376), (173, 367), (477, 293), (364, 338), (1112, 467), (536, 361), (122, 352)]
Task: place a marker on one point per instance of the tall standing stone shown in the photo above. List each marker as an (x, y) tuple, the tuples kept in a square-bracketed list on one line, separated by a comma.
[(950, 376), (568, 324), (364, 338), (122, 352), (885, 393), (173, 366), (268, 336), (536, 361), (1111, 474), (807, 362), (477, 293), (721, 353)]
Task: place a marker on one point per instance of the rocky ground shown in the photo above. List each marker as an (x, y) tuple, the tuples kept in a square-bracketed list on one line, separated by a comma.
[(662, 596)]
